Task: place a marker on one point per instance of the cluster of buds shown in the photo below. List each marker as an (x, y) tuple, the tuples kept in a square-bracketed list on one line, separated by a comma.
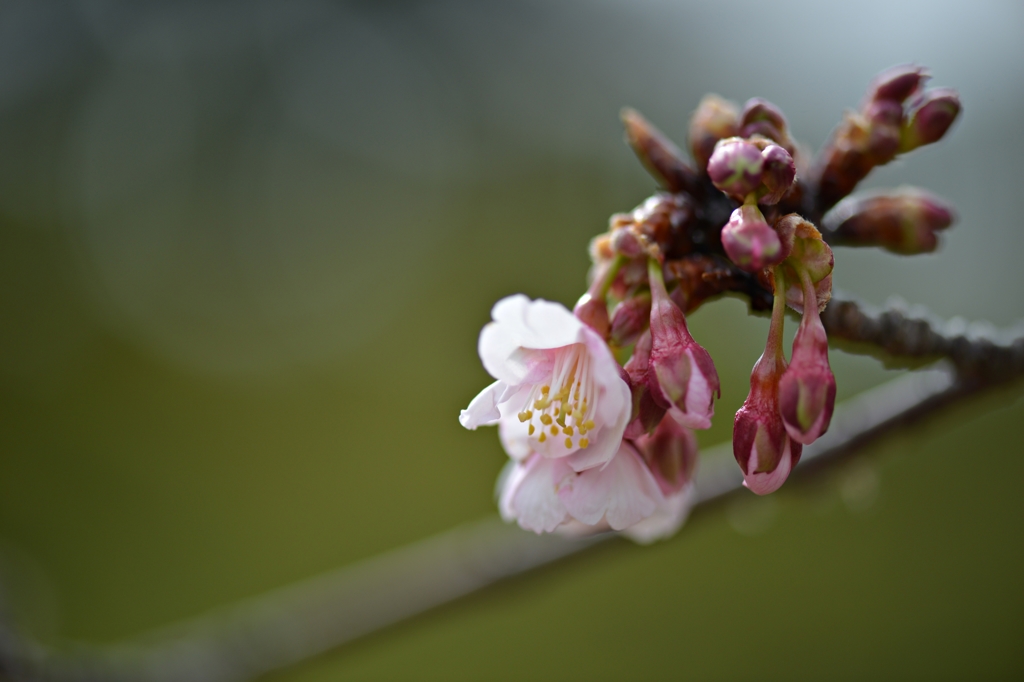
[(897, 115), (595, 445)]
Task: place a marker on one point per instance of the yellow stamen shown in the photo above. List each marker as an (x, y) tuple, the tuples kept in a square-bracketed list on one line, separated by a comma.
[(584, 442), (589, 424), (568, 443), (554, 430), (583, 430), (567, 430), (532, 429), (545, 389), (545, 419), (543, 437), (523, 416)]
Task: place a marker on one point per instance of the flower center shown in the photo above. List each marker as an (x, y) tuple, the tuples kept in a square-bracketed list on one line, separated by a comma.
[(564, 406)]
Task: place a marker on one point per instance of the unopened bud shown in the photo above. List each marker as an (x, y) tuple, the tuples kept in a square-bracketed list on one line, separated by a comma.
[(660, 157), (762, 447), (682, 377), (630, 319), (749, 241), (761, 117), (735, 167), (779, 173), (627, 243), (646, 413), (904, 221), (806, 252), (897, 83), (807, 390), (930, 117), (600, 249), (593, 312), (671, 455), (884, 119), (715, 119)]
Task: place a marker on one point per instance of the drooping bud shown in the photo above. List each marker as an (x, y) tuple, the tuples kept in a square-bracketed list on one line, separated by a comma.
[(762, 447), (778, 174), (630, 319), (930, 117), (904, 221), (646, 414), (807, 390), (750, 241), (660, 157), (715, 119), (671, 455), (896, 83), (761, 117), (735, 167), (682, 377)]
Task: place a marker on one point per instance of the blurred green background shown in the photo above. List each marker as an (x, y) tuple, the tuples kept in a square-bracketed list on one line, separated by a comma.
[(245, 253)]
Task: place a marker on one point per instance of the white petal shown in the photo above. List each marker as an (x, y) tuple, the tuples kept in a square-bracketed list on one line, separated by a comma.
[(537, 324), (666, 520), (623, 492), (530, 495), (483, 409)]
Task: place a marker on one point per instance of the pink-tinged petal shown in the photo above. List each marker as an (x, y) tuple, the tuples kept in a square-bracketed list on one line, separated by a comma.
[(483, 409), (666, 520), (769, 482), (699, 401), (616, 400), (623, 492), (530, 495)]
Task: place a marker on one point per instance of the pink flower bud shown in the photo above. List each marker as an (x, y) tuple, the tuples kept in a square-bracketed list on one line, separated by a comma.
[(762, 447), (593, 312), (671, 455), (735, 167), (904, 221), (681, 374), (760, 443), (779, 173), (714, 120), (897, 83), (630, 319), (646, 413), (749, 241), (807, 390), (931, 116), (761, 117)]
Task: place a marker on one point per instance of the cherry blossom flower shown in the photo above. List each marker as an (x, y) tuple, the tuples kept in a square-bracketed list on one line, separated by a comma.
[(558, 391)]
